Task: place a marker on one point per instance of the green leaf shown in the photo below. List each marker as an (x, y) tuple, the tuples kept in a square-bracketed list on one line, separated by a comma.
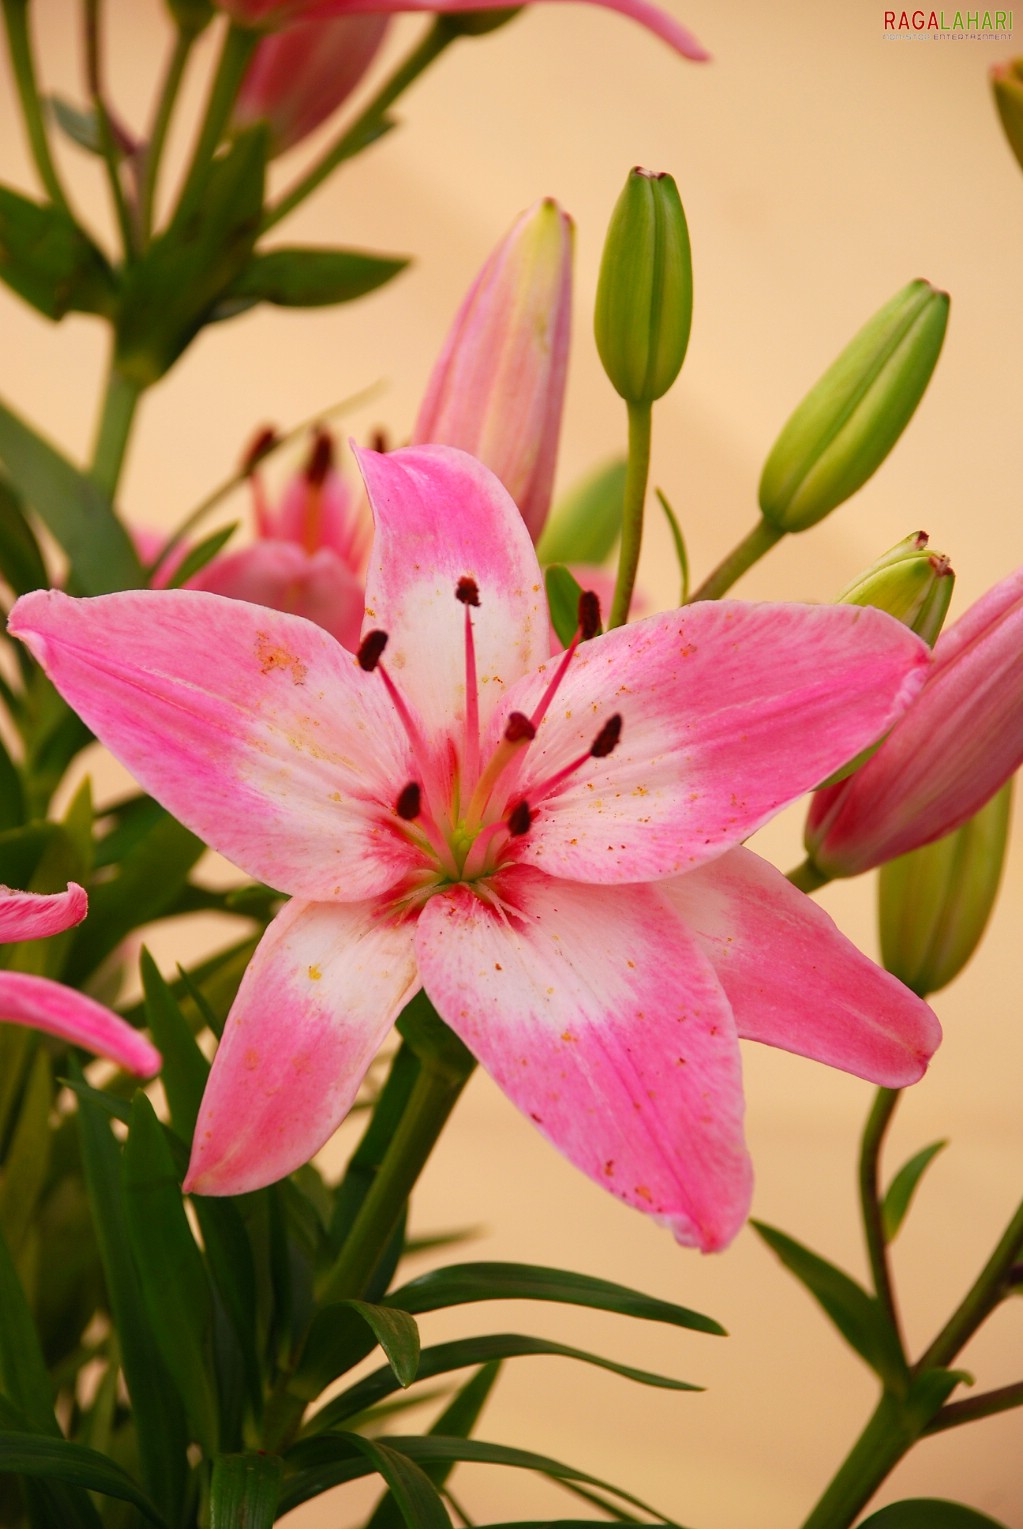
[(859, 1317), (416, 1499), (442, 1358), (364, 1164), (585, 524), (73, 508), (337, 1341), (903, 1187), (51, 1503), (185, 1068), (175, 1290), (47, 259), (312, 278), (678, 540), (929, 1513), (244, 1491), (563, 593), (23, 1373), (60, 1460), (462, 1283), (79, 123), (171, 292), (12, 797), (27, 1159), (202, 553), (21, 562)]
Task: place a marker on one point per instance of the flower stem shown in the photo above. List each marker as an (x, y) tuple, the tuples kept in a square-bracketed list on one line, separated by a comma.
[(885, 1102), (637, 472), (881, 1445), (119, 404), (760, 540), (166, 101), (439, 37), (986, 1405), (807, 877), (108, 146), (239, 45), (988, 1289), (23, 66)]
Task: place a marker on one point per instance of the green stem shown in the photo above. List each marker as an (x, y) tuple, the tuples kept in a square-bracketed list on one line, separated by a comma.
[(119, 404), (20, 45), (807, 877), (238, 48), (760, 540), (433, 1097), (166, 101), (986, 1405), (439, 37), (881, 1445), (878, 1121), (988, 1289), (108, 147), (636, 475)]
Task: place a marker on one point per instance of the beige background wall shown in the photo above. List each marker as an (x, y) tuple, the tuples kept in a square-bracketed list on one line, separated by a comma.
[(821, 166)]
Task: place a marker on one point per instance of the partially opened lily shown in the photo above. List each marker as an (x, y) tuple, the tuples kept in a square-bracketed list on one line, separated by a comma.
[(548, 846), (44, 1005)]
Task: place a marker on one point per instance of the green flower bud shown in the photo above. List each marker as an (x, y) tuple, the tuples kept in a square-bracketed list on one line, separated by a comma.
[(934, 903), (847, 424), (1007, 84), (910, 583), (645, 290)]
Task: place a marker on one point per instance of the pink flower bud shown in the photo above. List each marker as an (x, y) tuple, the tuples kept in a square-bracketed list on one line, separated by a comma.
[(957, 744), (499, 384), (299, 76)]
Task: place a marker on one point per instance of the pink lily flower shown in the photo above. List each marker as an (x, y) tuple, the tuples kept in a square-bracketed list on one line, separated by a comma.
[(29, 1000), (273, 14), (956, 746), (548, 846), (498, 386), (299, 76)]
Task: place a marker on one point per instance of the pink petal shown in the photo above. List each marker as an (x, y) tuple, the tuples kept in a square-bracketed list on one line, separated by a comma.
[(441, 516), (256, 729), (792, 977), (284, 577), (956, 746), (33, 915), (596, 1013), (729, 712), (317, 999), (60, 1011)]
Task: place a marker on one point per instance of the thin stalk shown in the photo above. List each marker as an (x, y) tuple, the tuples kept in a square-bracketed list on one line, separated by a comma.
[(166, 101), (23, 66), (885, 1102), (988, 1289), (238, 48), (760, 540), (636, 474), (986, 1405), (433, 1097), (807, 877), (108, 146), (439, 37), (881, 1445), (119, 404)]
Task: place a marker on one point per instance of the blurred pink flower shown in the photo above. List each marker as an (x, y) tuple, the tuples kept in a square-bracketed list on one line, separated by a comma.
[(955, 747), (549, 847), (45, 1005), (299, 76)]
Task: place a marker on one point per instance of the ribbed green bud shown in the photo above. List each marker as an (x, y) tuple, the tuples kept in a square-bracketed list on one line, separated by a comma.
[(1007, 84), (849, 422), (645, 291), (934, 903), (910, 583)]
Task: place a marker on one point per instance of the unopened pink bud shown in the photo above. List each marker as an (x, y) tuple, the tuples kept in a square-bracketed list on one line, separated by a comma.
[(498, 387), (299, 76), (958, 743)]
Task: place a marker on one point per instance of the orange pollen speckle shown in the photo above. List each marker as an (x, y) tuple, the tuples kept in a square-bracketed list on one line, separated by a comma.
[(252, 1058), (566, 1035), (315, 974), (643, 1192), (271, 658)]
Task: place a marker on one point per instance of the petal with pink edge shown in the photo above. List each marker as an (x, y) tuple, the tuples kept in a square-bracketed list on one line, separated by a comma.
[(792, 977), (729, 711), (317, 999), (441, 516), (60, 1011), (34, 915), (255, 728), (596, 1013)]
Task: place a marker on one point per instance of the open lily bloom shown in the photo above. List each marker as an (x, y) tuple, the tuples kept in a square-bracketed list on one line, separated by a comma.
[(548, 846), (45, 1005)]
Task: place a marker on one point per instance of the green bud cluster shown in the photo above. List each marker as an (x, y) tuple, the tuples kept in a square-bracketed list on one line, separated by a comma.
[(909, 582)]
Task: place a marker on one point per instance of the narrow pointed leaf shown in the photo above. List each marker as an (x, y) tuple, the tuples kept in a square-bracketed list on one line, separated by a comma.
[(59, 1459), (339, 1338), (48, 260), (903, 1186), (78, 123), (563, 593), (244, 1491), (202, 553), (585, 524), (929, 1513), (312, 278), (679, 543), (21, 561), (859, 1317), (185, 1069), (23, 1374), (27, 1159), (51, 1503)]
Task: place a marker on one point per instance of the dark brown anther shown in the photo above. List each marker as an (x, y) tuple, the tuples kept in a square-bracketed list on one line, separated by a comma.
[(518, 727), (606, 740), (370, 650), (321, 458), (467, 590), (378, 440), (261, 445), (589, 615), (520, 819), (409, 801)]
